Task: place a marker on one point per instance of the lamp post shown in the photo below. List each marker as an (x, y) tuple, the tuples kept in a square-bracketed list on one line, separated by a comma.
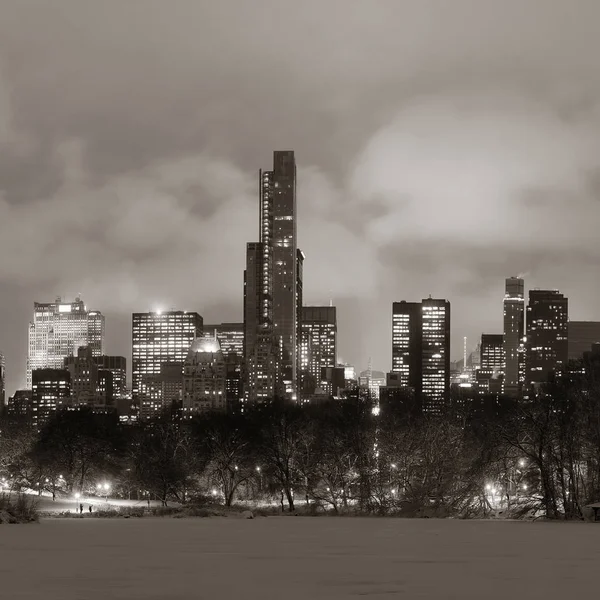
[(77, 497), (106, 487)]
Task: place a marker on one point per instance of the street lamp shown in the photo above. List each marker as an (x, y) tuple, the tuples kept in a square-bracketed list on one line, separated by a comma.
[(106, 487), (77, 497)]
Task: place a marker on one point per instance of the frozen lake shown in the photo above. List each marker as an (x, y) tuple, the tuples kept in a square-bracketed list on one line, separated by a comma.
[(297, 558)]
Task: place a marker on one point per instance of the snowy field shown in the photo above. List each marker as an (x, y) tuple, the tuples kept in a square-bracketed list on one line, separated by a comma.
[(297, 558)]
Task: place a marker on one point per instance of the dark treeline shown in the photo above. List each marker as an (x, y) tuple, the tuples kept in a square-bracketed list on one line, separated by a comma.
[(541, 457)]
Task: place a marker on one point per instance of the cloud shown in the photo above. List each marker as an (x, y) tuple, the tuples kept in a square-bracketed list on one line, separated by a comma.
[(441, 147)]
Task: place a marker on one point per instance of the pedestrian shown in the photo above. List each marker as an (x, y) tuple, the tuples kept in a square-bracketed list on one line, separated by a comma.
[(90, 509), (80, 508)]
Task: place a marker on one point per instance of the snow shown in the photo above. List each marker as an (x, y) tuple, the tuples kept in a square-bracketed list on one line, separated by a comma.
[(297, 558)]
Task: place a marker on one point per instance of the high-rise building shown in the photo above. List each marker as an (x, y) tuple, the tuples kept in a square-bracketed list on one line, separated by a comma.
[(547, 339), (51, 391), (490, 374), (435, 355), (582, 334), (117, 365), (230, 337), (2, 381), (407, 345), (421, 351), (514, 332), (318, 342), (273, 287), (58, 329), (204, 377), (161, 341)]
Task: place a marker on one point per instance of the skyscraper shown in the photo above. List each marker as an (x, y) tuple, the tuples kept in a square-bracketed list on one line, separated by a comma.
[(161, 341), (273, 285), (514, 332), (421, 350), (436, 355), (318, 345), (490, 374), (2, 381), (407, 345), (58, 329), (547, 345), (117, 365)]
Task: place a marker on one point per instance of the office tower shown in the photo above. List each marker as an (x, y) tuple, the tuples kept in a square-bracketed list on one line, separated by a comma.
[(318, 342), (273, 287), (435, 355), (117, 366), (547, 346), (514, 332), (230, 337), (421, 351), (582, 334), (51, 391), (204, 377), (2, 381), (406, 344), (490, 374), (161, 341), (58, 329)]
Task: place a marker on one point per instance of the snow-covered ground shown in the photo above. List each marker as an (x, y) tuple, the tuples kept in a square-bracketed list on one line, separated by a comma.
[(297, 558)]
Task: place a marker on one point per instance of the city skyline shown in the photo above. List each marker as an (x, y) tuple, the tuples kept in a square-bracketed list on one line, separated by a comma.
[(147, 184)]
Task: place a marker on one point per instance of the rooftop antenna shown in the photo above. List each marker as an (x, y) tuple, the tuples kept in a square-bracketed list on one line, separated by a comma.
[(465, 353)]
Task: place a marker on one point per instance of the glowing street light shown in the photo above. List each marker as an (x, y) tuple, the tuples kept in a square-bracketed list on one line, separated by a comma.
[(77, 497), (106, 487)]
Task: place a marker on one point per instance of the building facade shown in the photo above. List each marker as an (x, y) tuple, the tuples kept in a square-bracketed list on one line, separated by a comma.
[(51, 391), (161, 341), (57, 330), (117, 366), (2, 381), (204, 377), (318, 342), (273, 287), (230, 337), (547, 339), (490, 375), (421, 351), (514, 332)]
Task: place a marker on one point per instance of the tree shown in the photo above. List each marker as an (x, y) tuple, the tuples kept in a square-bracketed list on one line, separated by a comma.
[(278, 431), (224, 441), (164, 458), (80, 445)]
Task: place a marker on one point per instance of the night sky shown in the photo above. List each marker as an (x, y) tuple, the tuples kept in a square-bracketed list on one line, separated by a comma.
[(441, 147)]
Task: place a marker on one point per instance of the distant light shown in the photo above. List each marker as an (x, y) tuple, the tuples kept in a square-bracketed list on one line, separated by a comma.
[(77, 496), (214, 492)]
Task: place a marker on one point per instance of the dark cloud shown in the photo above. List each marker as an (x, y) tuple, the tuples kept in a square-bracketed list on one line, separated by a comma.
[(441, 147)]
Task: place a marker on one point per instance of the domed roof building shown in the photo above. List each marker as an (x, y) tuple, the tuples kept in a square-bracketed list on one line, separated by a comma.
[(204, 377)]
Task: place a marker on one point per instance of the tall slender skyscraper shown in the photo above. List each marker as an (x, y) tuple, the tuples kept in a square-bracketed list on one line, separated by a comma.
[(421, 350), (547, 337), (273, 285), (514, 332), (58, 329)]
